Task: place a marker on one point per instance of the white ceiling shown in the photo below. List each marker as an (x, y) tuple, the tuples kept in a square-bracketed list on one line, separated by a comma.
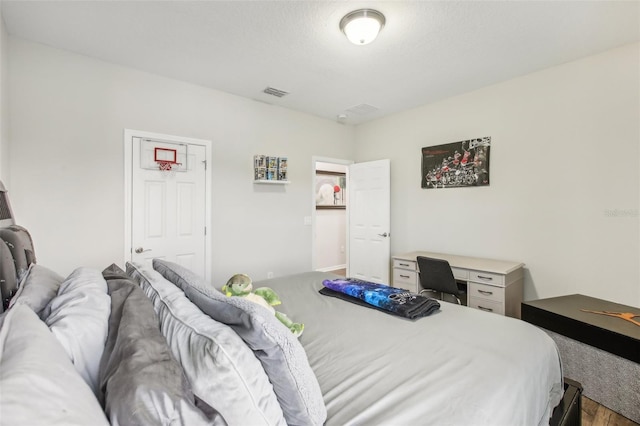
[(428, 50)]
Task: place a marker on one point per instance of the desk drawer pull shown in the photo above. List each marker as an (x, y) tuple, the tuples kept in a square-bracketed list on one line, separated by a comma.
[(486, 293), (403, 264), (485, 278), (485, 309), (405, 276)]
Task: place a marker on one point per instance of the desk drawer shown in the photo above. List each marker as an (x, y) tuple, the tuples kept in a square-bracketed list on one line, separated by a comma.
[(486, 292), (486, 305), (403, 278), (460, 274), (406, 286), (405, 264), (485, 277)]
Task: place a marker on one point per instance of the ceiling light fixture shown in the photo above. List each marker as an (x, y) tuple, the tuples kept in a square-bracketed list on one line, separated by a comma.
[(362, 26)]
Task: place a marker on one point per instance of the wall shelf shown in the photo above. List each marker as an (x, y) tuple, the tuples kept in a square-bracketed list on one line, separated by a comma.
[(272, 182), (269, 169)]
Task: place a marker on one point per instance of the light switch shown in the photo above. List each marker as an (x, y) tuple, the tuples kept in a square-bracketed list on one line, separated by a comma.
[(307, 220)]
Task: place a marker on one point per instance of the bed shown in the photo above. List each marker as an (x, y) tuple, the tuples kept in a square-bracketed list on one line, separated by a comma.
[(457, 366), (156, 344)]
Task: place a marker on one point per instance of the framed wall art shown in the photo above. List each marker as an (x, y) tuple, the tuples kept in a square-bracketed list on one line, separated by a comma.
[(457, 164), (331, 188)]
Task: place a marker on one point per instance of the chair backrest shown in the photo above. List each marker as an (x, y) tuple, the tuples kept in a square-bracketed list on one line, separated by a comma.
[(436, 274)]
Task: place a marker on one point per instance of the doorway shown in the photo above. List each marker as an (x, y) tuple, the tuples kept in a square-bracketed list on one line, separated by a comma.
[(168, 211), (329, 215), (367, 217)]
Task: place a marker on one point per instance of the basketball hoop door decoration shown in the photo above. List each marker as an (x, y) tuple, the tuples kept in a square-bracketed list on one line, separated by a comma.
[(166, 158)]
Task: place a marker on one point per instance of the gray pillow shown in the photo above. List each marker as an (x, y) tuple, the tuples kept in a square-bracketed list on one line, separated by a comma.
[(37, 288), (221, 368), (282, 356), (141, 382)]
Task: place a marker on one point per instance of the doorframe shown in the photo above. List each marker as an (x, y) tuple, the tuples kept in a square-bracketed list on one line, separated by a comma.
[(129, 134), (343, 162)]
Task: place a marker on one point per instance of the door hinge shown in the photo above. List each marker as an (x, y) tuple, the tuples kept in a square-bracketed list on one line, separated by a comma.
[(205, 164), (205, 230)]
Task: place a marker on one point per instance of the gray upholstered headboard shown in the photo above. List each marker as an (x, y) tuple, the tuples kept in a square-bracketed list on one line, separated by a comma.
[(8, 279), (6, 215), (16, 250)]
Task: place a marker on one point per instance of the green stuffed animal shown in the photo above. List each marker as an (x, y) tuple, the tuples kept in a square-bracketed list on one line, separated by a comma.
[(240, 285)]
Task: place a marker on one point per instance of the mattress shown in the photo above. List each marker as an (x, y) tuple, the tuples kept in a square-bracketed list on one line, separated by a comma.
[(459, 366)]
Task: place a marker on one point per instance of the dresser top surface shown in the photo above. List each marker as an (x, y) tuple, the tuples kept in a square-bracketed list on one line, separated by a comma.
[(573, 306), (465, 262)]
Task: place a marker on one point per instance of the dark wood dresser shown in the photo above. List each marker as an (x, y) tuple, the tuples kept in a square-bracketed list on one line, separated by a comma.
[(601, 352), (564, 315)]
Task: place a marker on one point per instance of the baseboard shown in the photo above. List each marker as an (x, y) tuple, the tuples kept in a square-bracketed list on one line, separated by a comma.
[(331, 268)]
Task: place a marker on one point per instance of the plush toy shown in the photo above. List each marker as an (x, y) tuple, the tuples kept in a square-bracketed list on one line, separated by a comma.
[(240, 285)]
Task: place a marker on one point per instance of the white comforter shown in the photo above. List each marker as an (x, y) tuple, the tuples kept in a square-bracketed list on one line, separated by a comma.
[(459, 366)]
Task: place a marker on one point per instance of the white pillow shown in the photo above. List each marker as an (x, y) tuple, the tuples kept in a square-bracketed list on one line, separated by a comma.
[(79, 319), (38, 384), (37, 288), (222, 369)]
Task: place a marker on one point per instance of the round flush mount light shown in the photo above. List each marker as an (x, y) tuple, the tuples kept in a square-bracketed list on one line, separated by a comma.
[(362, 26)]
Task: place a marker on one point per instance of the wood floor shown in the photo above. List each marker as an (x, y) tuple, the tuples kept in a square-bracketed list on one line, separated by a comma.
[(341, 272), (594, 414)]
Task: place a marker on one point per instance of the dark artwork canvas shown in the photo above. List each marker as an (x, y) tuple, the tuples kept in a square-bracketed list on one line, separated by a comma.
[(457, 164)]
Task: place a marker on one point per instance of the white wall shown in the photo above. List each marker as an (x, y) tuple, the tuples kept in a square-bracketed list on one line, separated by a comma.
[(331, 241), (564, 193), (4, 103), (68, 115)]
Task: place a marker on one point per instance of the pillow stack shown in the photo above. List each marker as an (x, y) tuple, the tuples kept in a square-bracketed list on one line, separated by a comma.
[(222, 370), (281, 354), (149, 346)]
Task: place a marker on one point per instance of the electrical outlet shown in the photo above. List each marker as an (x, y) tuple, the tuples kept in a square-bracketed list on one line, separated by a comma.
[(341, 249), (269, 274)]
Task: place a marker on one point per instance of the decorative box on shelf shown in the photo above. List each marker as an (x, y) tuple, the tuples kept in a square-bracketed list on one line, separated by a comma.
[(270, 170)]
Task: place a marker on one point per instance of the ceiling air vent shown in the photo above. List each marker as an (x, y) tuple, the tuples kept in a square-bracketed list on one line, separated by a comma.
[(362, 109), (275, 92)]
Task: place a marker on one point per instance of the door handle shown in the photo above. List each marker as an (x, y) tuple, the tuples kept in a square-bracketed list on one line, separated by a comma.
[(141, 250), (385, 235)]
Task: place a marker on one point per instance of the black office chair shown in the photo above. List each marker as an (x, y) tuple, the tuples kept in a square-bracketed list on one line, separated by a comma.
[(436, 275)]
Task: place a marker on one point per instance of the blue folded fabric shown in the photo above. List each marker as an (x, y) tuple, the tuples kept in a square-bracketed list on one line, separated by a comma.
[(393, 300)]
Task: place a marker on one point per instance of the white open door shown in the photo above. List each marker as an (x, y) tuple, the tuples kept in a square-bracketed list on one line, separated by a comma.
[(169, 210), (369, 221)]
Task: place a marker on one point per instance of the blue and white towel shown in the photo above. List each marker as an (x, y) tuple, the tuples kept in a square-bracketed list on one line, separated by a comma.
[(393, 300)]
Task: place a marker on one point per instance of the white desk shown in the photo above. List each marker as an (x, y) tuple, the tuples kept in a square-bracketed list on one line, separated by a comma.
[(492, 285)]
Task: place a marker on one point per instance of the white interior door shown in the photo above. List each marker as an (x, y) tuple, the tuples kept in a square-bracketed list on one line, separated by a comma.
[(168, 209), (369, 220)]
